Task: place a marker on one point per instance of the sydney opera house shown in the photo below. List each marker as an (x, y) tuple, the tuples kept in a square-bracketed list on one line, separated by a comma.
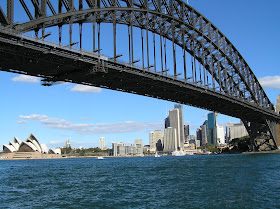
[(30, 148)]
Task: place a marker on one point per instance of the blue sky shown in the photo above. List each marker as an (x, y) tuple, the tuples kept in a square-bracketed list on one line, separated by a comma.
[(83, 114)]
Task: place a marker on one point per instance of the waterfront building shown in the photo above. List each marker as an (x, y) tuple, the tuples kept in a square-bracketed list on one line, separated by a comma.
[(146, 149), (220, 135), (235, 130), (67, 144), (130, 150), (138, 144), (170, 139), (118, 149), (186, 133), (211, 128), (56, 151), (189, 146), (31, 144), (102, 143), (181, 136), (31, 148), (174, 119), (155, 138), (12, 146)]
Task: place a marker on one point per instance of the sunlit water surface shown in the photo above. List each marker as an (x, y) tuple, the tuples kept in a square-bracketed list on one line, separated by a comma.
[(218, 181)]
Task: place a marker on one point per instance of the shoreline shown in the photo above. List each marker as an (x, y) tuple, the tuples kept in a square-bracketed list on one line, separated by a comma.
[(104, 157)]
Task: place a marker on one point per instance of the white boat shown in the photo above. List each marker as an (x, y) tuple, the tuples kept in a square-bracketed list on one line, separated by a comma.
[(100, 158), (157, 155), (178, 153)]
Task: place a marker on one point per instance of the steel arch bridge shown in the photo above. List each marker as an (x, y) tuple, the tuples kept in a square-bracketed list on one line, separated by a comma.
[(206, 71)]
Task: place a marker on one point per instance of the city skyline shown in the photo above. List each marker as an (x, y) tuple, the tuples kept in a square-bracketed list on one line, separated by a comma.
[(82, 114)]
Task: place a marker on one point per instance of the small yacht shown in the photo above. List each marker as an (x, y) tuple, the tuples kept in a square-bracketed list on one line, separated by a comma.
[(100, 158)]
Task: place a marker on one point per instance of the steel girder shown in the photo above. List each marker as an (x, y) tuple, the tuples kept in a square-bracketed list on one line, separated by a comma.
[(174, 20)]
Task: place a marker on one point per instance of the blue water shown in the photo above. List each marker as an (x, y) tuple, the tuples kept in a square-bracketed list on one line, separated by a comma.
[(220, 181)]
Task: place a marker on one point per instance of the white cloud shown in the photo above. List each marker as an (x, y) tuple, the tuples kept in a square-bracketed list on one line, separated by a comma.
[(26, 79), (56, 142), (86, 89), (93, 128), (270, 82), (21, 121)]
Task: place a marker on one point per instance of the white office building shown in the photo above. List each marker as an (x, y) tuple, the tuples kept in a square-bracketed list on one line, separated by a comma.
[(170, 139), (118, 149), (138, 144), (181, 136), (220, 135), (155, 136), (235, 130)]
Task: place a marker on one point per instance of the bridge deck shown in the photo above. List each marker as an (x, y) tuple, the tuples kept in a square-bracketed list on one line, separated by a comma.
[(54, 63)]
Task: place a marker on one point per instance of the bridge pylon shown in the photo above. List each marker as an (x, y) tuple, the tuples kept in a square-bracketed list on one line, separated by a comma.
[(263, 135)]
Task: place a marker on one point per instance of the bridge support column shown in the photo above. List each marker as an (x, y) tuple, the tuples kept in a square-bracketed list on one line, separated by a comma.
[(278, 134), (263, 135)]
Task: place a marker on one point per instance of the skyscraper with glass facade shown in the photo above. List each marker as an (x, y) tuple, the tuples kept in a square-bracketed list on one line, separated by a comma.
[(211, 128)]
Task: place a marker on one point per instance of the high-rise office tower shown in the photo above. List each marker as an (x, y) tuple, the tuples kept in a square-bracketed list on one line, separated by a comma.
[(155, 137), (174, 119), (199, 134), (102, 143), (186, 133), (166, 122), (170, 139), (204, 140), (181, 137), (211, 128)]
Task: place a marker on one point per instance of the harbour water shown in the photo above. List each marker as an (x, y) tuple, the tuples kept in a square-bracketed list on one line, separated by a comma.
[(214, 181)]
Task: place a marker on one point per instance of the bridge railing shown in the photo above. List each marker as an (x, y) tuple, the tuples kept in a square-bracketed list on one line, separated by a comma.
[(52, 43)]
